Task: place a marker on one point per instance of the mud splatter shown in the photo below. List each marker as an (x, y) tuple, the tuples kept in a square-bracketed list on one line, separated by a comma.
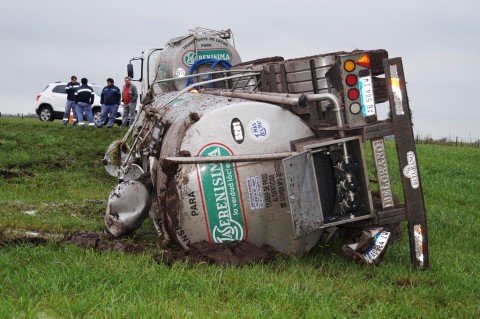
[(233, 253), (95, 241)]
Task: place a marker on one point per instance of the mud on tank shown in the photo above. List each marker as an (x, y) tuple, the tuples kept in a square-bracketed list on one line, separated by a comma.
[(227, 172), (244, 196)]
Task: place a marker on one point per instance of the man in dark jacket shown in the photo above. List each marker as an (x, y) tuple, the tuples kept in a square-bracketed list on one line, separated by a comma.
[(110, 99), (84, 98), (71, 87)]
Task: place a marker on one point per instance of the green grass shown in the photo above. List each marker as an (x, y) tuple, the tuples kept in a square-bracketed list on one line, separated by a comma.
[(67, 187)]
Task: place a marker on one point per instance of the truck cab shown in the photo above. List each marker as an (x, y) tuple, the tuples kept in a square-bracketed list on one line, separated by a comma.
[(147, 61)]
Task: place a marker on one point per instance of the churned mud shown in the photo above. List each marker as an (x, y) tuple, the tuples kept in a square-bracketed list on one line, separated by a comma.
[(27, 170), (95, 241), (233, 253), (83, 239)]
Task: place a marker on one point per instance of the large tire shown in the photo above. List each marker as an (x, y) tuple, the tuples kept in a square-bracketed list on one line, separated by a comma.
[(46, 114)]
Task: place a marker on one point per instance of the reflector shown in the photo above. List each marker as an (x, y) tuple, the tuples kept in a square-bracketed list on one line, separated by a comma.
[(364, 61), (349, 65), (355, 108)]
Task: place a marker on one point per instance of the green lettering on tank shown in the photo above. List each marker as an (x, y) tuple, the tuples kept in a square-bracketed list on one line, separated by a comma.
[(163, 70), (221, 196), (190, 57)]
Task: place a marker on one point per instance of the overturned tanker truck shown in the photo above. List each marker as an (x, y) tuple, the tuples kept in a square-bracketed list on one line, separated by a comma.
[(270, 151)]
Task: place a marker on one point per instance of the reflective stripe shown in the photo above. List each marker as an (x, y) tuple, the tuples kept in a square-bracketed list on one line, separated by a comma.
[(84, 90)]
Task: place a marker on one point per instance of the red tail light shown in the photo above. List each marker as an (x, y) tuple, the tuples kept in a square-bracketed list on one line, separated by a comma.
[(353, 94), (351, 80), (38, 96)]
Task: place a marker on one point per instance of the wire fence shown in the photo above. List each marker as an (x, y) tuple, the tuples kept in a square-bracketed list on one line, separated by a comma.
[(457, 142), (419, 139)]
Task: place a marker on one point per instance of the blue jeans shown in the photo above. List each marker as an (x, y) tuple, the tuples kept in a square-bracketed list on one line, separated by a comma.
[(109, 111), (70, 105), (87, 108)]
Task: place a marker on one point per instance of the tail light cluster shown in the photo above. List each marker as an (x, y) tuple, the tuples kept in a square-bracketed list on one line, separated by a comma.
[(359, 86), (352, 76)]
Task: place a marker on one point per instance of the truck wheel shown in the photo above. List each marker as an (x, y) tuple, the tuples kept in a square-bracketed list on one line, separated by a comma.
[(46, 114)]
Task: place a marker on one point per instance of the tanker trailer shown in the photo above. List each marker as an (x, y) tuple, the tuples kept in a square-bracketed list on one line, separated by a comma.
[(180, 57), (276, 158)]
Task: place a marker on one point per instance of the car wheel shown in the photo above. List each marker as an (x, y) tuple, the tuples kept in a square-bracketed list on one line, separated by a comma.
[(46, 114), (96, 115)]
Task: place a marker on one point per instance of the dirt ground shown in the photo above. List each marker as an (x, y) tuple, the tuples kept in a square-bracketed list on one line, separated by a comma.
[(233, 253)]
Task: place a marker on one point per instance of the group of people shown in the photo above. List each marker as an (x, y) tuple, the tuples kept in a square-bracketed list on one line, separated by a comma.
[(80, 98)]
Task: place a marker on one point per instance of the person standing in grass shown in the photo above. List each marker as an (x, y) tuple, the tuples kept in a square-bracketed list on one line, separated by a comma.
[(110, 99), (129, 98), (84, 97), (71, 88)]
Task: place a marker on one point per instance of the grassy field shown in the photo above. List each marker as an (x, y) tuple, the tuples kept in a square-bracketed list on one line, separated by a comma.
[(52, 181)]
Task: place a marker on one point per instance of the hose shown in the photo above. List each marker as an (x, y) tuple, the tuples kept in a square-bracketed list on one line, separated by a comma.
[(213, 62)]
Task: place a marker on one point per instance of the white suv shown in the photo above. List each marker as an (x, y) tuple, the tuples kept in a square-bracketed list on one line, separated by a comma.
[(51, 103)]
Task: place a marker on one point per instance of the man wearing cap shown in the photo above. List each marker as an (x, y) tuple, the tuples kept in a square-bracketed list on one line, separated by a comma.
[(129, 98), (84, 98), (110, 99), (70, 89)]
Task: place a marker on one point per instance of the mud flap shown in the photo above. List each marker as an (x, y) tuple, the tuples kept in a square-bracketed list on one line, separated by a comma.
[(407, 158)]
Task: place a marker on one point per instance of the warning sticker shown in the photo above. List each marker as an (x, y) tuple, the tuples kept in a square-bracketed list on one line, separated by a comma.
[(255, 194)]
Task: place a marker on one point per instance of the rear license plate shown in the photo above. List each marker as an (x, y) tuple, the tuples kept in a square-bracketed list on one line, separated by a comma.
[(380, 242), (366, 96)]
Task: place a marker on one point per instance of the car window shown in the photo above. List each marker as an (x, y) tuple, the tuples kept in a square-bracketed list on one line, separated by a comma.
[(97, 90), (60, 89)]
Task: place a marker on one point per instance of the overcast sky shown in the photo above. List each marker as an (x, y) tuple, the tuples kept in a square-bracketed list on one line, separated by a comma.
[(48, 41)]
